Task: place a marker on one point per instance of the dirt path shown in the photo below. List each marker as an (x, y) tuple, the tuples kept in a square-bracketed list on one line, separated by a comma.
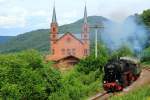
[(144, 79)]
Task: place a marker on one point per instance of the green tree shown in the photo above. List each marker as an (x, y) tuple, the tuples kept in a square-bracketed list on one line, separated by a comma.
[(122, 51), (25, 76), (146, 17), (146, 55), (91, 63)]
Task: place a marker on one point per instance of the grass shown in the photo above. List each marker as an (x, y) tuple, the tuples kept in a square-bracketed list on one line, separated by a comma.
[(142, 93)]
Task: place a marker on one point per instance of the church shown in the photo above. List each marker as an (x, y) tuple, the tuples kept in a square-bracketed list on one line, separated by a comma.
[(68, 48)]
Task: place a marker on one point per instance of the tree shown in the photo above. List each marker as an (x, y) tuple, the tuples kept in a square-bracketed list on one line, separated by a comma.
[(25, 76), (146, 17), (146, 55), (122, 51), (91, 63)]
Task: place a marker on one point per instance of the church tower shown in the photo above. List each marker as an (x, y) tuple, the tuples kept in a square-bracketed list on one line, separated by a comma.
[(54, 31), (85, 34)]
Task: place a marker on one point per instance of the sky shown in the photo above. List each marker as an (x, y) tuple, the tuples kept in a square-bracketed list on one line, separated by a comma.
[(20, 16)]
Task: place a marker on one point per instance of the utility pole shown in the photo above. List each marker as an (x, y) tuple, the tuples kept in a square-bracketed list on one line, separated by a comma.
[(96, 27)]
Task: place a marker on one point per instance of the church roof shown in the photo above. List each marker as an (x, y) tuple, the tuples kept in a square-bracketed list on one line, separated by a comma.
[(76, 36)]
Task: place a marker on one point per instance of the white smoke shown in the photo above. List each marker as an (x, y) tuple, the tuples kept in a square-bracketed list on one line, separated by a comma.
[(131, 32)]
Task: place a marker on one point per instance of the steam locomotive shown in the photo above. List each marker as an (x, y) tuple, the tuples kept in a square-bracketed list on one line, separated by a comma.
[(120, 73)]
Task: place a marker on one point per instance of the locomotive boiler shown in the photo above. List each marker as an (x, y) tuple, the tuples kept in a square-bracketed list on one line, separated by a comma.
[(120, 73)]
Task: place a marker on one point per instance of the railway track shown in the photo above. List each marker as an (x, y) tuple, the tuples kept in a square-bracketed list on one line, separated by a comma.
[(102, 96), (146, 68), (105, 96)]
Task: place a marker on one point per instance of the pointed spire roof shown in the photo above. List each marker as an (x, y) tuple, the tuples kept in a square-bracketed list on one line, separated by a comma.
[(54, 19), (85, 15)]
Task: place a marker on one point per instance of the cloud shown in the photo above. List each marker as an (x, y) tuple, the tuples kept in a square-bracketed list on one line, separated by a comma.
[(40, 13), (12, 21), (1, 0), (13, 17), (33, 13)]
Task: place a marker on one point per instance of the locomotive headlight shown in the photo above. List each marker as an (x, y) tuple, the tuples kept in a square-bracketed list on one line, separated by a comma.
[(104, 82)]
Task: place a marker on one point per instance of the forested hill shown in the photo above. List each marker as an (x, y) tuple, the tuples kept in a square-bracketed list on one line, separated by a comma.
[(4, 39), (39, 39)]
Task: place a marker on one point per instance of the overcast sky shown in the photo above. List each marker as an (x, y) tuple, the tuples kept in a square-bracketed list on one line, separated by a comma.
[(19, 16)]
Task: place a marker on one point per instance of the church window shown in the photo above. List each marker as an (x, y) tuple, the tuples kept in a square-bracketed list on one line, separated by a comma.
[(73, 51), (68, 51), (63, 51)]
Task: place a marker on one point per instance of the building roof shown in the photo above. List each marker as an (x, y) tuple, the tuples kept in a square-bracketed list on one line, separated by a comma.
[(132, 59), (78, 35), (66, 57), (73, 35)]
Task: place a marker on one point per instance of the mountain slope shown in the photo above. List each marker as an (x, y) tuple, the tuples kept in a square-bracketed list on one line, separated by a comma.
[(4, 39), (39, 39)]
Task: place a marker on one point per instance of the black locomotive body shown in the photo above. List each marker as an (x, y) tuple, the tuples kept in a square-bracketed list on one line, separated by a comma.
[(120, 73)]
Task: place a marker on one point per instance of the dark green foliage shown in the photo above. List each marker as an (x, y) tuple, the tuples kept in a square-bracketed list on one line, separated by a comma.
[(146, 17), (91, 63), (25, 76), (145, 57), (77, 86), (122, 51), (32, 40)]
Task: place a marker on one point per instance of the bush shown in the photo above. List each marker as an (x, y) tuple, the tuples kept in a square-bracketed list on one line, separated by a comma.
[(146, 55), (122, 51), (92, 63), (25, 76)]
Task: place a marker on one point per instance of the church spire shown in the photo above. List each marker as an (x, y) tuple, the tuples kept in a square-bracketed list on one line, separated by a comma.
[(54, 19), (54, 26), (85, 27), (85, 15)]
